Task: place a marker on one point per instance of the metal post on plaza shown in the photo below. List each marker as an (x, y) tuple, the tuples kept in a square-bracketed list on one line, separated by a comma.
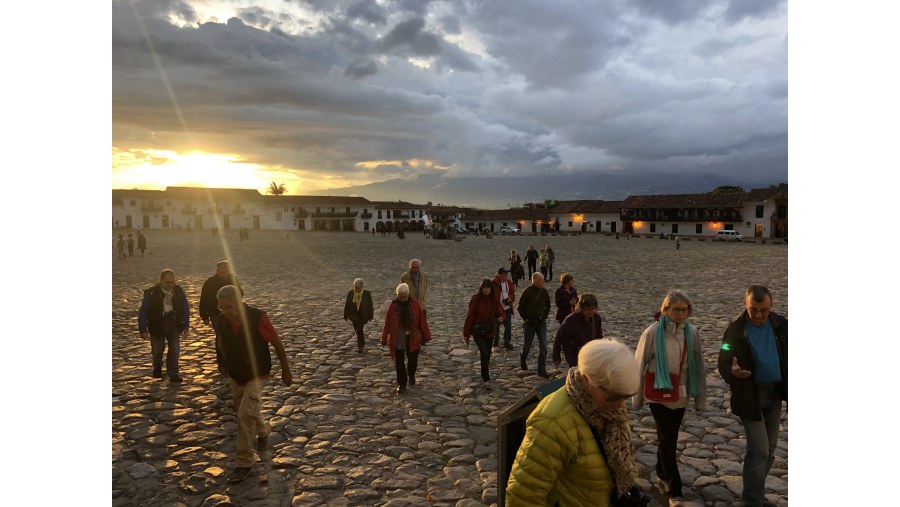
[(511, 431)]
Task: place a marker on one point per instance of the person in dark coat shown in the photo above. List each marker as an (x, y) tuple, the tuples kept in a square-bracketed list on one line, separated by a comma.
[(358, 309), (534, 307), (753, 361), (566, 297), (142, 243), (209, 305), (578, 328), (130, 245), (531, 256), (515, 267), (484, 309), (163, 319)]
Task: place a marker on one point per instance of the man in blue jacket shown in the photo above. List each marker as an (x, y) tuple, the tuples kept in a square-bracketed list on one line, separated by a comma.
[(163, 318), (753, 361)]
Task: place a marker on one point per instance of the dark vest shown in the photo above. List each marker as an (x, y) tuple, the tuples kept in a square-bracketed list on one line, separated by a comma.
[(155, 318), (245, 356)]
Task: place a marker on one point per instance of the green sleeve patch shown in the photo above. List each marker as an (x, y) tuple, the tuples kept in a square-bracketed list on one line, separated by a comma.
[(725, 346)]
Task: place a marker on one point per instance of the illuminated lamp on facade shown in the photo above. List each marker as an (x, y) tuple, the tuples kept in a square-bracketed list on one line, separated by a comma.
[(715, 225), (578, 218), (637, 225)]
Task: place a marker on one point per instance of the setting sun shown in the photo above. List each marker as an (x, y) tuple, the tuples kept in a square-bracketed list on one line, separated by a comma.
[(162, 168)]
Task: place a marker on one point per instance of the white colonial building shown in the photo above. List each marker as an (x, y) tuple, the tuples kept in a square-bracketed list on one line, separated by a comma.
[(587, 216)]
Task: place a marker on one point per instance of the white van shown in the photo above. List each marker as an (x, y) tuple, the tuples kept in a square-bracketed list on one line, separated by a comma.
[(728, 236)]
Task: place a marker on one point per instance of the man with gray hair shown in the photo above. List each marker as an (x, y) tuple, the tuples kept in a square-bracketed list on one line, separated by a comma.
[(753, 361), (243, 336), (418, 284), (534, 306), (163, 318)]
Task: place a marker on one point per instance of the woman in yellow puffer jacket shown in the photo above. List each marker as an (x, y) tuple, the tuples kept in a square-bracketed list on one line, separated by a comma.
[(560, 459)]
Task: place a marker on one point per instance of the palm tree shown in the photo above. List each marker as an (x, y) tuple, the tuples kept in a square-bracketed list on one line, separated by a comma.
[(276, 188)]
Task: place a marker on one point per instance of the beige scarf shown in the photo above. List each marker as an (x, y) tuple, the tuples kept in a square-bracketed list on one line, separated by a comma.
[(612, 427)]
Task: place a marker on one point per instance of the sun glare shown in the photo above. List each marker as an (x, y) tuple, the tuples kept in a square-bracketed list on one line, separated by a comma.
[(158, 169)]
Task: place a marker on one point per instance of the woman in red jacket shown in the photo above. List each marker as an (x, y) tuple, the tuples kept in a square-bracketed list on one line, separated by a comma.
[(405, 330), (484, 308)]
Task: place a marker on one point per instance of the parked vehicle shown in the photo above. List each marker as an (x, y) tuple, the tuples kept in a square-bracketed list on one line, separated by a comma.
[(458, 229), (506, 229), (728, 236)]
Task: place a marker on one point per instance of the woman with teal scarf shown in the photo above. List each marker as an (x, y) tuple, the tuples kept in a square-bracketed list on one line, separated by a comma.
[(660, 351)]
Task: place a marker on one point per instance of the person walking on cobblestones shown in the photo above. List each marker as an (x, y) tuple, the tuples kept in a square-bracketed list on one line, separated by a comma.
[(566, 297), (141, 242), (515, 267), (163, 318), (753, 361), (551, 258), (484, 311), (405, 331), (578, 449), (578, 328), (120, 247), (671, 346), (534, 307), (209, 305), (531, 257), (417, 281), (358, 309), (243, 335), (506, 294)]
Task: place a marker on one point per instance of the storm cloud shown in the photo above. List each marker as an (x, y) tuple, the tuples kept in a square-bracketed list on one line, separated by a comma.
[(356, 89)]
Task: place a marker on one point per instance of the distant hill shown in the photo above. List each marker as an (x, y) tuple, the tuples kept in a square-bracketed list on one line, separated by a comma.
[(501, 192)]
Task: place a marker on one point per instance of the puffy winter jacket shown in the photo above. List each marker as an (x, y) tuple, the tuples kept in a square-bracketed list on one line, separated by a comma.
[(559, 460)]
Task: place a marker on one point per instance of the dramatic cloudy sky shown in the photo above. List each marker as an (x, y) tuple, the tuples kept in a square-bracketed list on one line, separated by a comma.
[(330, 93)]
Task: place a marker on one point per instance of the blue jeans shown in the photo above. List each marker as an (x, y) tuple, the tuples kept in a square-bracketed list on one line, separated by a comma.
[(507, 328), (762, 439), (158, 344), (541, 329)]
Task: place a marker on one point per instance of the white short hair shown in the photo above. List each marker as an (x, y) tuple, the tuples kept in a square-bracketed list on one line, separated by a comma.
[(229, 292), (415, 261), (402, 288), (611, 365), (537, 275)]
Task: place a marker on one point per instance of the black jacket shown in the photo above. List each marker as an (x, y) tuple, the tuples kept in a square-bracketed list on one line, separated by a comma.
[(744, 395), (209, 304), (366, 309), (534, 304), (246, 357), (151, 314)]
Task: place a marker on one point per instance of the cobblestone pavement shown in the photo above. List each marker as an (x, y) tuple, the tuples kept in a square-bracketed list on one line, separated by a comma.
[(341, 434)]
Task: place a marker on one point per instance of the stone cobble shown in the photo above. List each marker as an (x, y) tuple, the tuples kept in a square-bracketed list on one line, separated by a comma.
[(341, 436)]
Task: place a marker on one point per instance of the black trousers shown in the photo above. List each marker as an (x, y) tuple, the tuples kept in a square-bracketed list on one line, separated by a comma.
[(406, 369), (667, 423), (358, 327), (532, 267), (484, 350)]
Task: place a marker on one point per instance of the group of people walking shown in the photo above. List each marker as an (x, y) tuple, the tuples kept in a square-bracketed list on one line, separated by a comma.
[(122, 243), (243, 337), (578, 448)]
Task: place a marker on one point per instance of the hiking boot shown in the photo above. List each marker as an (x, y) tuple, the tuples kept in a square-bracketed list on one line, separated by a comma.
[(157, 373), (412, 380), (239, 474), (401, 389), (523, 365), (360, 350), (262, 443), (544, 375)]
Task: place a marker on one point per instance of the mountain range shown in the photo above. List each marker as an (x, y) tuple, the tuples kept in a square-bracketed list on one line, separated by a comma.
[(504, 192)]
